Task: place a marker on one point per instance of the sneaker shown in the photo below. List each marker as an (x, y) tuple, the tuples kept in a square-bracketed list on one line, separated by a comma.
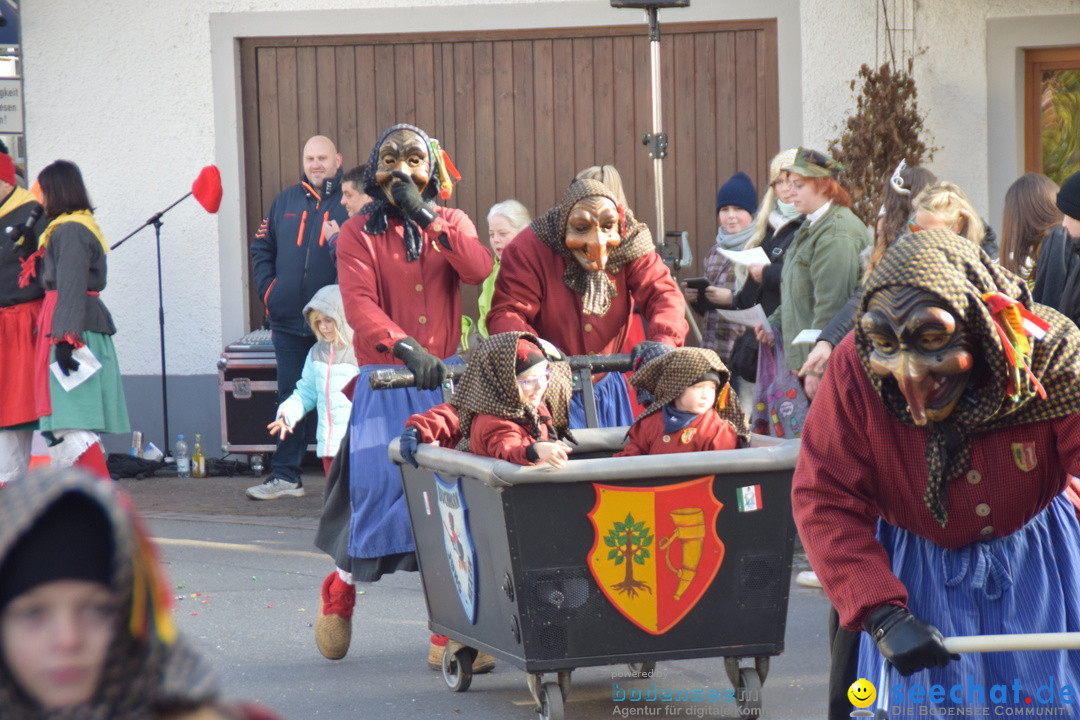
[(808, 578), (275, 488)]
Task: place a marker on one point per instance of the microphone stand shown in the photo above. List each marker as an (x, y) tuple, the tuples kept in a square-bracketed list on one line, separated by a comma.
[(156, 222)]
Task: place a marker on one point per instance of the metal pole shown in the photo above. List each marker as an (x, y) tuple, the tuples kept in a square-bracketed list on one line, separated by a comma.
[(161, 333), (659, 148)]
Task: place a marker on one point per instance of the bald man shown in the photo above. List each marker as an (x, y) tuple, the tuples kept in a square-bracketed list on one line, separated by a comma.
[(290, 259)]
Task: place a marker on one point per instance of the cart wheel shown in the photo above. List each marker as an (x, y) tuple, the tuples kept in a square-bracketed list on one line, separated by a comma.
[(551, 702), (748, 694), (457, 669), (642, 669)]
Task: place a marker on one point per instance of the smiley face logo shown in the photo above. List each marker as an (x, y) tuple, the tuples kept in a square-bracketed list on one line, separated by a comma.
[(862, 693)]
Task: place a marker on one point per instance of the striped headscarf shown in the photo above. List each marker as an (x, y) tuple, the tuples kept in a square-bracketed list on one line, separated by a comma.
[(998, 395), (489, 387), (668, 375), (595, 287)]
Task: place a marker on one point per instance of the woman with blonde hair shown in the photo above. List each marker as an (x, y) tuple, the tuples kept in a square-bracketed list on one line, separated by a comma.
[(774, 228), (944, 205)]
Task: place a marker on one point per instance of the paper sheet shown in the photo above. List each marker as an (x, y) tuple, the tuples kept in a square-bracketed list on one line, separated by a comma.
[(753, 256), (750, 318), (88, 365), (806, 336)]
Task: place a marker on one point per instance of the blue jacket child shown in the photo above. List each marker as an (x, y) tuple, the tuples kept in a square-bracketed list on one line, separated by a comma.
[(330, 365)]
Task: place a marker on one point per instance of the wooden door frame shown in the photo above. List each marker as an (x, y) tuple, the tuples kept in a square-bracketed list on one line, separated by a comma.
[(1036, 62)]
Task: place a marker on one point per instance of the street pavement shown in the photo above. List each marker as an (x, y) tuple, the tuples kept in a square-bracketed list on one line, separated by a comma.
[(246, 576)]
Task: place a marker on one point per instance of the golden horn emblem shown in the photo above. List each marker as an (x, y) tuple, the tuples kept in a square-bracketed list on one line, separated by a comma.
[(690, 530)]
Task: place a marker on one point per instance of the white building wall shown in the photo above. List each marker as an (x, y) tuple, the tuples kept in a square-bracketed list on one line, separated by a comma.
[(950, 73), (142, 95)]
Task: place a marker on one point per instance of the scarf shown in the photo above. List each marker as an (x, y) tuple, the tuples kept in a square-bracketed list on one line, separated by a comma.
[(380, 209), (734, 241), (999, 395), (489, 387), (147, 670), (83, 217), (668, 375), (786, 211), (596, 287), (18, 197)]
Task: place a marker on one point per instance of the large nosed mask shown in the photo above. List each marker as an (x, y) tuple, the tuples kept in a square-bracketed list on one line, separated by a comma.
[(592, 231), (403, 153), (919, 342)]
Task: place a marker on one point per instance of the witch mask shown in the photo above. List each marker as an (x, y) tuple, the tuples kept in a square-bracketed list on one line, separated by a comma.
[(403, 153), (592, 231), (921, 344)]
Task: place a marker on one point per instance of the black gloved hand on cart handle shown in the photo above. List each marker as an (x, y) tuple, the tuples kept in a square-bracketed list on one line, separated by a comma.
[(647, 350), (428, 370), (407, 444), (906, 641)]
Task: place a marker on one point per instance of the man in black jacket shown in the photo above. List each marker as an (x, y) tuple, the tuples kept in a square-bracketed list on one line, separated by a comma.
[(291, 259)]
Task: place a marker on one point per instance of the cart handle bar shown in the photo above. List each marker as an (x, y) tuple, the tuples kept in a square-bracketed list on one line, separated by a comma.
[(1010, 643), (391, 378)]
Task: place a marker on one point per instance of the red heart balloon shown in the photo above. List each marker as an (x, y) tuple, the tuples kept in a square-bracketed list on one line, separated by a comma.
[(207, 188)]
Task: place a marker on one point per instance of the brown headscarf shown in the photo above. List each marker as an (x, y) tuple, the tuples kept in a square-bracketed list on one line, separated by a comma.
[(147, 670), (596, 288), (952, 268), (668, 375), (489, 387)]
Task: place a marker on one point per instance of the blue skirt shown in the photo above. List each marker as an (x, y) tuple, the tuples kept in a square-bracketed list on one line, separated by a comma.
[(612, 403), (380, 518), (1023, 583)]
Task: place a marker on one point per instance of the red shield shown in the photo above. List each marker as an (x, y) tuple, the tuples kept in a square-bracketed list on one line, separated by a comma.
[(656, 550)]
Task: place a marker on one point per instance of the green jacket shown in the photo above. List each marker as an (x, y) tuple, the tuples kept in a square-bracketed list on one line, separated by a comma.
[(821, 271)]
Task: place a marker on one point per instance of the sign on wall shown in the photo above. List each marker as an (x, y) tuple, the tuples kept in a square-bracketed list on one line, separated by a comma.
[(11, 105)]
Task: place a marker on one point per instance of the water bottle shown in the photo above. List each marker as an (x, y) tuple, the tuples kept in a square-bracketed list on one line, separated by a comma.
[(198, 459), (183, 460)]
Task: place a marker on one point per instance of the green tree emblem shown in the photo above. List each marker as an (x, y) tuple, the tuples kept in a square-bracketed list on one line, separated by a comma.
[(629, 542)]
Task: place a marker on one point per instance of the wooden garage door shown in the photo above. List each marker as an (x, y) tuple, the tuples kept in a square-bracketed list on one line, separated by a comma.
[(521, 112)]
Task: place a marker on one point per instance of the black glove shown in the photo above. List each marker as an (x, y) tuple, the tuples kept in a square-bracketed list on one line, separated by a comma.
[(67, 363), (647, 350), (906, 641), (428, 370), (407, 445), (407, 198)]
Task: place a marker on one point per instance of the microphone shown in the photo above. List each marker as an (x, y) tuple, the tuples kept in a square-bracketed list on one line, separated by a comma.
[(16, 232), (207, 188)]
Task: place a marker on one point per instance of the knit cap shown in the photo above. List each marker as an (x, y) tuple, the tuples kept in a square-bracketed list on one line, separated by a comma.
[(738, 191), (528, 354), (1068, 197), (71, 541), (7, 169)]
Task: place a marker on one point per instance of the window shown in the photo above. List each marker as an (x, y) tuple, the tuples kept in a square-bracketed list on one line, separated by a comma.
[(1052, 111)]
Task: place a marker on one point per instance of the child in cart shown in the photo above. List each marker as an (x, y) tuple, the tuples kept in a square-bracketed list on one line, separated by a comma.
[(512, 404), (329, 367), (693, 408)]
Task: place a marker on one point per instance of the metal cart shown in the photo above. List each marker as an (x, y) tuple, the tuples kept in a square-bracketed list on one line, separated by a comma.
[(607, 561)]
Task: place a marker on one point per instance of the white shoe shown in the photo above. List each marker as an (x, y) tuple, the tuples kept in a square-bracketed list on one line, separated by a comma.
[(808, 578), (275, 488)]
